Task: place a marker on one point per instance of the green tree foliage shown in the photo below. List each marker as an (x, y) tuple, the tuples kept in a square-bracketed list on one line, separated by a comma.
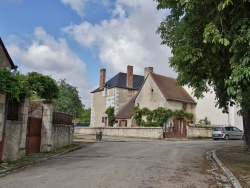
[(205, 121), (68, 100), (85, 116), (111, 115), (18, 86), (210, 43)]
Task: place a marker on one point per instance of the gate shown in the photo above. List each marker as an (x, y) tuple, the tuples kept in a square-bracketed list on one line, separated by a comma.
[(179, 129), (33, 141), (34, 127)]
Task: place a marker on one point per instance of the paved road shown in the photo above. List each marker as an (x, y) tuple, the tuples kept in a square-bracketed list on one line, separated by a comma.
[(123, 163)]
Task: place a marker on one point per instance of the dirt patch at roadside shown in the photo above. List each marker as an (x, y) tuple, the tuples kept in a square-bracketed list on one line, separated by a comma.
[(237, 161)]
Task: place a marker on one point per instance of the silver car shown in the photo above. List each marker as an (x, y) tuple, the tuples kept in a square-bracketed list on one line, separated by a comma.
[(227, 132)]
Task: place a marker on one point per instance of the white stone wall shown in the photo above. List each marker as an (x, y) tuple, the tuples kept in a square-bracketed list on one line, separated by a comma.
[(15, 140), (62, 135), (136, 132), (199, 131)]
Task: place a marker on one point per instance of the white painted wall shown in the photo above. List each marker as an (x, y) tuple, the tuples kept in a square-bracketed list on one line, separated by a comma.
[(206, 108)]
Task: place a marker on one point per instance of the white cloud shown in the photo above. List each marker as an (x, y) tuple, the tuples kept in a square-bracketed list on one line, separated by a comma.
[(51, 57), (127, 38), (77, 5)]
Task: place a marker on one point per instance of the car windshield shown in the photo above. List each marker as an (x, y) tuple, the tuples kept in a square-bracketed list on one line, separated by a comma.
[(218, 128)]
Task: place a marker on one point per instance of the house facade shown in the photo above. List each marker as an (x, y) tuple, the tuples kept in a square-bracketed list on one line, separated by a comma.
[(5, 59), (116, 92), (159, 91)]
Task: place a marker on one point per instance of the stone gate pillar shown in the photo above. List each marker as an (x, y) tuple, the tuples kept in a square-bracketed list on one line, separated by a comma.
[(46, 132)]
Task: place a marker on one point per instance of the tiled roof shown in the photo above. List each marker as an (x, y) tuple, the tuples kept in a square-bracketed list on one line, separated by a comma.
[(7, 56), (128, 109), (119, 81), (170, 90)]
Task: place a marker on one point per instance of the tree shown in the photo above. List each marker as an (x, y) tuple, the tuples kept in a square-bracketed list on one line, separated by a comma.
[(205, 121), (68, 100), (85, 116), (17, 86), (210, 43), (111, 115)]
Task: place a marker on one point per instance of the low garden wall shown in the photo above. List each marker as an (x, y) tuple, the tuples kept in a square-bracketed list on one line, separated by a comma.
[(136, 132), (199, 131), (62, 135)]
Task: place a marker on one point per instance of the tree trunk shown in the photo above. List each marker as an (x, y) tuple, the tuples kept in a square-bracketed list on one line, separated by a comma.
[(246, 127)]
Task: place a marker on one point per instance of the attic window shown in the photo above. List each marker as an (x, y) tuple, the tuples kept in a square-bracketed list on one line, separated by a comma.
[(184, 106), (152, 90)]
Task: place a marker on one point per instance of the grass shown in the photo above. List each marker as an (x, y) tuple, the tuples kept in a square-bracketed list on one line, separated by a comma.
[(237, 161)]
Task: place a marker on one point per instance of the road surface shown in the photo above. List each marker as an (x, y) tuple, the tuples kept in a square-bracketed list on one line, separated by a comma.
[(124, 163)]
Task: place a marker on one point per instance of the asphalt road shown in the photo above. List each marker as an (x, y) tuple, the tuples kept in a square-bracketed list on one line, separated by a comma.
[(124, 163)]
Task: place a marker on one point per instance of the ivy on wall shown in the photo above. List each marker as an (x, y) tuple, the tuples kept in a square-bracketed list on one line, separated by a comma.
[(157, 117)]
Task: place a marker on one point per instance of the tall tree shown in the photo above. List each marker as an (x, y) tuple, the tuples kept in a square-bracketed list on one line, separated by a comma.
[(68, 100), (85, 116), (210, 43)]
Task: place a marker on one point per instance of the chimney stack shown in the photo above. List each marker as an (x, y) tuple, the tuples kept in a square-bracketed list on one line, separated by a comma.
[(102, 78), (147, 70), (130, 76)]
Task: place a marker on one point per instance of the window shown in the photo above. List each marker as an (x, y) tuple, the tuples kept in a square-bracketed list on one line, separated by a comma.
[(152, 90), (184, 106)]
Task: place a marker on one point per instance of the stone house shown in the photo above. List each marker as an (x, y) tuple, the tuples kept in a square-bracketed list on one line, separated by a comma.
[(5, 59), (158, 91), (115, 93), (151, 91)]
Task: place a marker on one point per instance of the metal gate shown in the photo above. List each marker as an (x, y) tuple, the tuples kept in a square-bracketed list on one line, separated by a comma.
[(179, 129), (33, 141), (34, 127)]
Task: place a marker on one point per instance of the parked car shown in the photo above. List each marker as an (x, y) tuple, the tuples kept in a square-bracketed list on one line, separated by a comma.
[(227, 132)]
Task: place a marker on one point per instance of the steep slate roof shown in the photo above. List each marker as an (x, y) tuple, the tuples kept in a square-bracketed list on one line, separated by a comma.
[(128, 109), (119, 81), (4, 55), (170, 90)]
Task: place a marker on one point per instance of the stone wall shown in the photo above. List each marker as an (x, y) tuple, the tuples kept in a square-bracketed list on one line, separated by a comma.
[(62, 135), (136, 132), (2, 113), (199, 131), (15, 140), (53, 136)]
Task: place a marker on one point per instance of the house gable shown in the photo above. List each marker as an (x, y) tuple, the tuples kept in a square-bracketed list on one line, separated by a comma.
[(150, 95), (5, 59)]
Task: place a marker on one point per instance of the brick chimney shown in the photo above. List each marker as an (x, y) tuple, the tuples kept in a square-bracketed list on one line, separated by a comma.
[(147, 70), (130, 76), (102, 78)]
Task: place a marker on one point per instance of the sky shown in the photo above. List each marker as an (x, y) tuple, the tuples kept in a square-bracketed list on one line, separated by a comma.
[(74, 39)]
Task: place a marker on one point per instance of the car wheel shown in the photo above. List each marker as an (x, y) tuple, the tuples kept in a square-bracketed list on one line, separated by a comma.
[(226, 137)]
